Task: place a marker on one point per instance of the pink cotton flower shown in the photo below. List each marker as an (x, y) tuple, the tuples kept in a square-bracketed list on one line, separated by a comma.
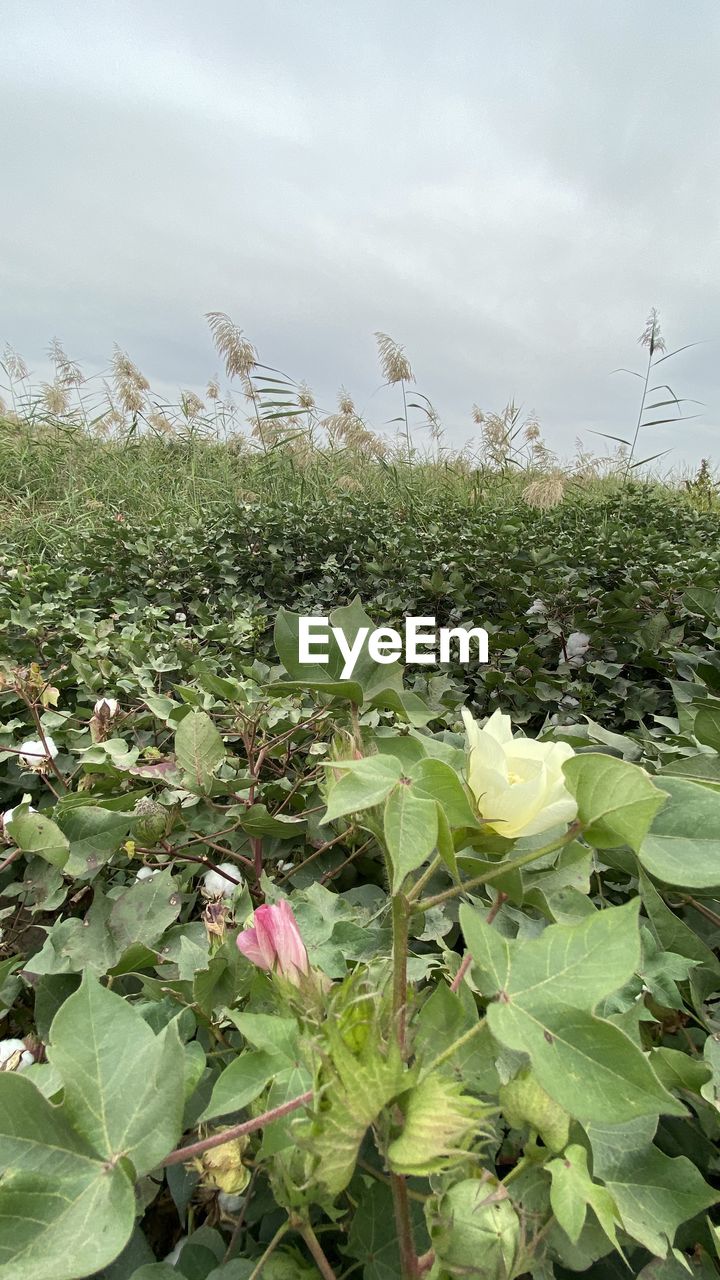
[(274, 942)]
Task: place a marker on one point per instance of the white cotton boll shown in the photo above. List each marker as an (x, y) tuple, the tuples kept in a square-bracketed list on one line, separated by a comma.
[(569, 701), (107, 708), (32, 754), (9, 1049), (577, 645), (173, 1256), (9, 813), (215, 885), (229, 1203), (285, 868), (537, 606), (147, 873)]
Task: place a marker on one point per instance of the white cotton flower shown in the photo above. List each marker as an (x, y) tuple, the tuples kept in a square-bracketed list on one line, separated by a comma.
[(147, 873), (32, 754), (537, 606), (215, 885), (14, 1056), (107, 708), (518, 783), (577, 645)]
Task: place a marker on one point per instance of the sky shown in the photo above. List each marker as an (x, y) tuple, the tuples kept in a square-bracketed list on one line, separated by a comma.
[(506, 189)]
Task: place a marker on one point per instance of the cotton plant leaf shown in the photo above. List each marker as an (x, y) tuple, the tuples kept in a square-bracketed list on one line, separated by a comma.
[(64, 1212), (123, 1085), (542, 993)]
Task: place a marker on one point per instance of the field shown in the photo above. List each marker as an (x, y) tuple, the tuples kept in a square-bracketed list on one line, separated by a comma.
[(470, 1027)]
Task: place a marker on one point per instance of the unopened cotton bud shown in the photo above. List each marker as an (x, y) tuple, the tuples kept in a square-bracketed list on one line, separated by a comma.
[(215, 884)]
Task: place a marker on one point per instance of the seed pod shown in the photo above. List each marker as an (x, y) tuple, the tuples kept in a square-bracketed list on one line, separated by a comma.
[(475, 1230), (152, 823)]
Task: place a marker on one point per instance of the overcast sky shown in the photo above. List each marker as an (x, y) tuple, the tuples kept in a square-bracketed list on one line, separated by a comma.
[(505, 188)]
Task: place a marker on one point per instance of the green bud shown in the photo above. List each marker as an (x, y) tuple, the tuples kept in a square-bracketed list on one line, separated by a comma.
[(440, 1122), (474, 1230), (152, 823), (524, 1102)]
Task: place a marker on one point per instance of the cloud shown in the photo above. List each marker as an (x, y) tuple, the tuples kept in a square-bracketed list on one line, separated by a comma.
[(506, 190)]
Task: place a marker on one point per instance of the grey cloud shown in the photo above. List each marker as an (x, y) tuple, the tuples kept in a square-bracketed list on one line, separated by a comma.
[(505, 189)]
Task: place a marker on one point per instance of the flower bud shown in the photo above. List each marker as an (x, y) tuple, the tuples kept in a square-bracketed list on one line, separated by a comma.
[(274, 943), (152, 821), (475, 1221)]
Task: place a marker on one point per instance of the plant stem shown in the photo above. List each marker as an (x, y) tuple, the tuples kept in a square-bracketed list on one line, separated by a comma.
[(699, 906), (316, 1250), (279, 1234), (499, 870), (422, 880), (237, 1131), (640, 415), (403, 1223), (400, 948)]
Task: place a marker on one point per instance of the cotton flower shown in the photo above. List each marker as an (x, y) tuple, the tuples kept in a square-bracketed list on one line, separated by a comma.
[(14, 1056), (274, 942), (32, 754), (215, 885), (518, 783)]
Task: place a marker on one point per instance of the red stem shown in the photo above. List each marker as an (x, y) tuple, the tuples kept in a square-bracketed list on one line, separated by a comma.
[(237, 1131)]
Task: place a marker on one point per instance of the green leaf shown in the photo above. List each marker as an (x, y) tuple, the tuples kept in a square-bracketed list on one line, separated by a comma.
[(672, 932), (435, 780), (544, 990), (683, 845), (94, 835), (411, 828), (654, 1193), (706, 726), (242, 1081), (365, 784), (616, 800), (34, 833), (65, 1213), (573, 1190), (373, 1238), (198, 749), (123, 1084)]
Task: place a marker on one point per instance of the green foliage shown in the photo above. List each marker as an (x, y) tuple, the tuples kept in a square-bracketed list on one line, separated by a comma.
[(548, 1109)]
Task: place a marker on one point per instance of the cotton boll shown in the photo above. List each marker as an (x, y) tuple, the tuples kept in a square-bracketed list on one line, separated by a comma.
[(7, 817), (577, 645), (33, 755), (173, 1256), (229, 1203), (537, 606), (215, 885), (9, 1051), (147, 873), (107, 708)]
